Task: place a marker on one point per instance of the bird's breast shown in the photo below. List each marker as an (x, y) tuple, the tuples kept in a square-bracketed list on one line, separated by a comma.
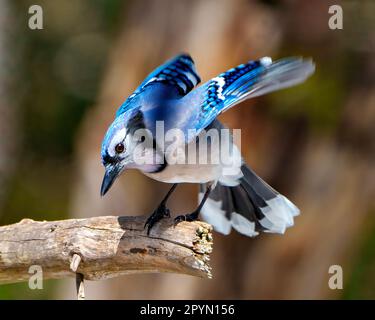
[(187, 173)]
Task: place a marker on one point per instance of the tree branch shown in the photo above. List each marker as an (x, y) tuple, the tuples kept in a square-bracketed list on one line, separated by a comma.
[(103, 247)]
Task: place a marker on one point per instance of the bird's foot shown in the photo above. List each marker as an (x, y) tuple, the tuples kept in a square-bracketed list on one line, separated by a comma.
[(160, 212), (186, 217)]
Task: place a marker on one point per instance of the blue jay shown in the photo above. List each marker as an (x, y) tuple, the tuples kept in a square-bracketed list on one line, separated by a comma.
[(231, 195)]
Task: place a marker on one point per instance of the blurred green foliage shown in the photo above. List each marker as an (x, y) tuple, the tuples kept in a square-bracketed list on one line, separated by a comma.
[(360, 282), (50, 112), (21, 291), (325, 94), (50, 109)]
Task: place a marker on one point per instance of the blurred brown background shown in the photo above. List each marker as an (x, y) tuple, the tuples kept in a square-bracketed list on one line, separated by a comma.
[(315, 143)]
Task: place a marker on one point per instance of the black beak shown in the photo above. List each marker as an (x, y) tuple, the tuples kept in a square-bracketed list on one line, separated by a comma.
[(111, 173)]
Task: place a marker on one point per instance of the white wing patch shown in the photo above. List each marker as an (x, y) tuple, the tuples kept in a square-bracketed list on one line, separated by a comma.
[(266, 61), (220, 82)]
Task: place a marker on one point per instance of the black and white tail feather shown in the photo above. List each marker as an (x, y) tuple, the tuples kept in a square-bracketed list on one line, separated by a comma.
[(250, 207)]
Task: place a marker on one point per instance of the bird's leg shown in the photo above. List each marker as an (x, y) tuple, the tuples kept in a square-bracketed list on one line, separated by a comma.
[(194, 215), (160, 212)]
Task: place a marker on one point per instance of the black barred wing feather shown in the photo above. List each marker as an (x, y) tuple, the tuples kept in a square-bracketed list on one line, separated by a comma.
[(245, 81), (178, 74)]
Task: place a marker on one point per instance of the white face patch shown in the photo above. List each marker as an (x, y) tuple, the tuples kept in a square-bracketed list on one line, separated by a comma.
[(117, 138)]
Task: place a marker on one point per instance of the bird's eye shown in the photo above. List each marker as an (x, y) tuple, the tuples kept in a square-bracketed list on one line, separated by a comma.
[(119, 148)]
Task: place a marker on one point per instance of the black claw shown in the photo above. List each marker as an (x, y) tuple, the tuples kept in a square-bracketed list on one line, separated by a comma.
[(178, 219), (161, 212), (187, 217)]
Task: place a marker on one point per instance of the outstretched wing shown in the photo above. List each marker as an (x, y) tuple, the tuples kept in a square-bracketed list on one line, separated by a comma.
[(245, 81), (178, 74)]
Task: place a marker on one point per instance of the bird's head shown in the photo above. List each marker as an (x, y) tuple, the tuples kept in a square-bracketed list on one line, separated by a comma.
[(117, 151), (127, 144)]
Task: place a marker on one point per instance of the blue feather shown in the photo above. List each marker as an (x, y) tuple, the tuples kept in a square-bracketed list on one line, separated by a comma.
[(246, 81), (178, 73), (227, 87)]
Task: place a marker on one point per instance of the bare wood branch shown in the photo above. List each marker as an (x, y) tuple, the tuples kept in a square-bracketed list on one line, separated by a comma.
[(80, 286), (103, 247), (76, 260), (74, 264)]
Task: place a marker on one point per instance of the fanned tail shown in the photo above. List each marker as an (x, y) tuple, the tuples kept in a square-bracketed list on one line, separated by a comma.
[(250, 207)]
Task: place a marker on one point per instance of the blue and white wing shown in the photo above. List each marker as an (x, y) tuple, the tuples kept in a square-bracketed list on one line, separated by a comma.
[(177, 77), (246, 81)]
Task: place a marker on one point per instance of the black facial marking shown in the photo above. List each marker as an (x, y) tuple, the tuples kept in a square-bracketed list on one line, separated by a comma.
[(135, 122), (106, 159)]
